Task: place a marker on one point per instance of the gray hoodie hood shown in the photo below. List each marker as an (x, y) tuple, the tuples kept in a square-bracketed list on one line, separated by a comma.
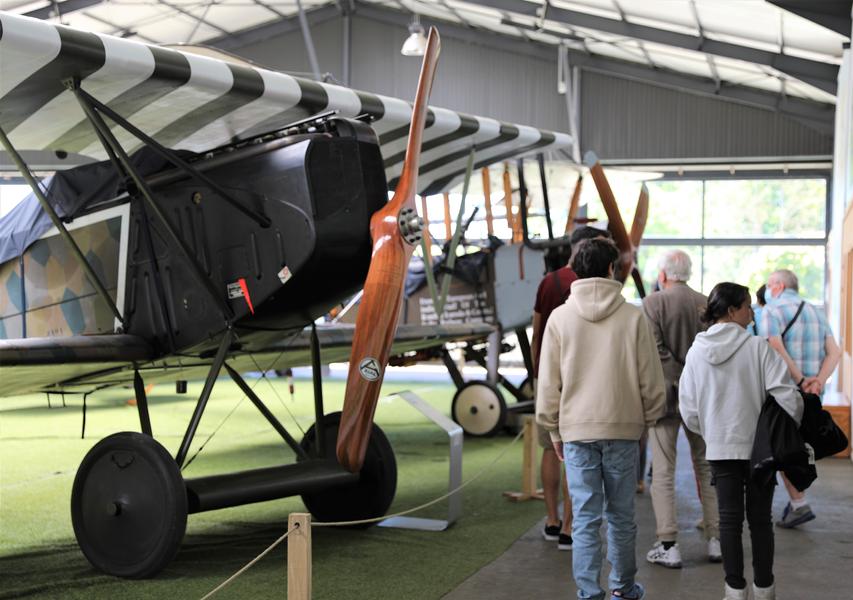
[(720, 342), (596, 298)]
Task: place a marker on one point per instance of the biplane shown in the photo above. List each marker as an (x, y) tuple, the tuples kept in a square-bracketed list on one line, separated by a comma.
[(229, 207), (498, 287)]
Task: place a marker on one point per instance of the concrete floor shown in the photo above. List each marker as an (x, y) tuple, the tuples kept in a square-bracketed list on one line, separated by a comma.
[(812, 562)]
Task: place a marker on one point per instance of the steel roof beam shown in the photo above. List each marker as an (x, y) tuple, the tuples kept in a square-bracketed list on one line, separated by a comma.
[(68, 6), (821, 75), (832, 14), (817, 115)]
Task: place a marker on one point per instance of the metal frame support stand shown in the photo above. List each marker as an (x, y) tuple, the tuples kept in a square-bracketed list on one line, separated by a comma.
[(454, 502)]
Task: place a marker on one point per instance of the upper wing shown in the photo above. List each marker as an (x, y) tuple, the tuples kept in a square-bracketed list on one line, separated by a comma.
[(188, 101), (84, 363)]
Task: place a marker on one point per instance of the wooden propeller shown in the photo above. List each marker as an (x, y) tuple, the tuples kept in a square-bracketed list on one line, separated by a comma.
[(394, 230), (626, 243), (575, 205)]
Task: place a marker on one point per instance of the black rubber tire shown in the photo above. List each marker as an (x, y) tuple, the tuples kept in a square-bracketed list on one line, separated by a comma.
[(129, 506), (479, 408), (371, 496)]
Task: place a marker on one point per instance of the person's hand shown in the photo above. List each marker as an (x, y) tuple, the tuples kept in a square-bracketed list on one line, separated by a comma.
[(813, 385), (558, 449)]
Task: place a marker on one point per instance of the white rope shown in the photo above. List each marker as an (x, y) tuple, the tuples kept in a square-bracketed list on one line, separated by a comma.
[(272, 546), (251, 563), (431, 502)]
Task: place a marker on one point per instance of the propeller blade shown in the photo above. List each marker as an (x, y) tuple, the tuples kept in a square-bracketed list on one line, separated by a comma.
[(614, 218), (640, 217), (575, 205), (383, 290), (638, 281)]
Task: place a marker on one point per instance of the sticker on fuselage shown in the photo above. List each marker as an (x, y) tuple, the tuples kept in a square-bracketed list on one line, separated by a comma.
[(284, 275), (370, 369), (235, 290)]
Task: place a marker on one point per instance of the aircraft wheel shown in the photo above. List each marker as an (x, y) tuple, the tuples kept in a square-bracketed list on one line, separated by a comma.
[(479, 408), (129, 506), (371, 496), (526, 388)]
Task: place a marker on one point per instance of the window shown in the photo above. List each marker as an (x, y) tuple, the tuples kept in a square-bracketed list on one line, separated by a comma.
[(738, 230)]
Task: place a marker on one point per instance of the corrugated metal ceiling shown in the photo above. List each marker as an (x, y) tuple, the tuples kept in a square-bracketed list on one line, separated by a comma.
[(733, 42)]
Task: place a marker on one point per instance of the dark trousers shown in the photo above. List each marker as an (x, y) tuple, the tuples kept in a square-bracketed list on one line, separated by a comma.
[(733, 482)]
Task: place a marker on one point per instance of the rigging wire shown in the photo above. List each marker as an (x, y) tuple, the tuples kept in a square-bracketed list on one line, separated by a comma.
[(236, 406)]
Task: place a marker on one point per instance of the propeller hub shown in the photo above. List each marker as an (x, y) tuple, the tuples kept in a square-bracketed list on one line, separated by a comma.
[(411, 226)]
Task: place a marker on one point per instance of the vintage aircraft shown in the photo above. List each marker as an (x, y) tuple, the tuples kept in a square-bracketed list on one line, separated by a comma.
[(255, 202)]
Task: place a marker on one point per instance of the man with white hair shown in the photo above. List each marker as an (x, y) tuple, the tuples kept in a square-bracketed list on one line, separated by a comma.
[(801, 335), (675, 317)]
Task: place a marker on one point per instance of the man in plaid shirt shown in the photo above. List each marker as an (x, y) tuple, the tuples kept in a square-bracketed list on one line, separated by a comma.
[(809, 350)]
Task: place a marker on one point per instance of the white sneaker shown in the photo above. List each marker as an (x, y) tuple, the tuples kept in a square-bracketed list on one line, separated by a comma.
[(715, 553), (669, 558), (733, 594)]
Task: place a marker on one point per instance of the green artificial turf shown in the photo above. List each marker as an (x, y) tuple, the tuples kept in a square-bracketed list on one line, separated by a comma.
[(40, 449)]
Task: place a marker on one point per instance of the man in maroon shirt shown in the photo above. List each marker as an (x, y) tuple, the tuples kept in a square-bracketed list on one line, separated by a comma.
[(553, 291)]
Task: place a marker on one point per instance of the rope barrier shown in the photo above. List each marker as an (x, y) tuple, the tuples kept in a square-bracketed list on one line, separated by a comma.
[(272, 546), (250, 564)]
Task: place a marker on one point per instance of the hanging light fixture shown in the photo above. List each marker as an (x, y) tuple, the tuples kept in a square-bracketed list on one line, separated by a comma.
[(415, 44)]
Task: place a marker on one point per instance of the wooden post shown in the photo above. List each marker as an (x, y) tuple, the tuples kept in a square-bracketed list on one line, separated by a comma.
[(487, 197), (528, 466), (427, 237), (299, 557), (511, 221), (447, 234)]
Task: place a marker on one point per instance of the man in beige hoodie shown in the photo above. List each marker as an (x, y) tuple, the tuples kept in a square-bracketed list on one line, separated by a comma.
[(600, 384)]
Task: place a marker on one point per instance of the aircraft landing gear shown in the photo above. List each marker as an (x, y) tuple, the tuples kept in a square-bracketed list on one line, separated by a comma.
[(367, 498), (129, 506), (479, 408)]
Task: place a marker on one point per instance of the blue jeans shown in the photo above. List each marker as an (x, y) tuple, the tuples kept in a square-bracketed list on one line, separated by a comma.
[(602, 480)]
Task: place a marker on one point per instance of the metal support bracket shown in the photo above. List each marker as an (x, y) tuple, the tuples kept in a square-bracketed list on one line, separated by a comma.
[(142, 403), (215, 367), (454, 502), (317, 377), (271, 419)]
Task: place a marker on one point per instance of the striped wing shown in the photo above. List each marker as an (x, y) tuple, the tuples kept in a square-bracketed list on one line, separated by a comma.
[(192, 102)]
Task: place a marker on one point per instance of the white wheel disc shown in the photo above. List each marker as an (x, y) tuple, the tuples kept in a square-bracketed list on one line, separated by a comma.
[(478, 409)]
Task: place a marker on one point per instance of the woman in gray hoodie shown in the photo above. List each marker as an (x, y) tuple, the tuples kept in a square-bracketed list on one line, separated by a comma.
[(726, 377)]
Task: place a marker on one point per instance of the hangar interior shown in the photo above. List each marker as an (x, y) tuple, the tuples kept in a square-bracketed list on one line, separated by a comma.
[(738, 117)]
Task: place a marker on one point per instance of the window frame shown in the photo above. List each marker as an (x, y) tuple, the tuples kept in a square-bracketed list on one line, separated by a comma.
[(703, 242)]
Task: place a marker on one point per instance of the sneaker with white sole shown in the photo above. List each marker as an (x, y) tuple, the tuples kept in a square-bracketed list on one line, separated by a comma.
[(715, 553), (735, 594), (791, 517), (551, 533), (565, 542), (670, 558), (637, 592)]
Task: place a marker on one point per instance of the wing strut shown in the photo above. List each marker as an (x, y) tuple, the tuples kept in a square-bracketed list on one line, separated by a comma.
[(122, 161), (60, 226), (171, 156), (535, 244)]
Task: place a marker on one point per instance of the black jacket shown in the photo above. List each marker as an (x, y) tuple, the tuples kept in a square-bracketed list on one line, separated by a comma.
[(779, 446)]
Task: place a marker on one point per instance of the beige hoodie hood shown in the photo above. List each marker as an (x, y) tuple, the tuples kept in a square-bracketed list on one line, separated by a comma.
[(596, 298)]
